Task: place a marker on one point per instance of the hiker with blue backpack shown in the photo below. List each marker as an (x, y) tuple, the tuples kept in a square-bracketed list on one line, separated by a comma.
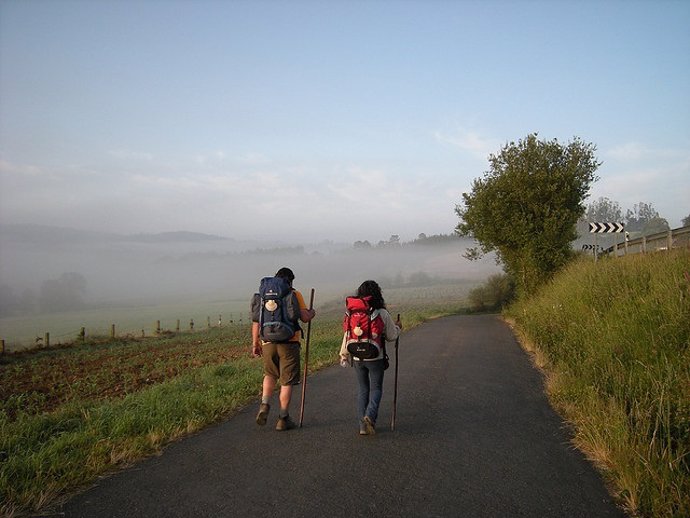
[(276, 335), (368, 325)]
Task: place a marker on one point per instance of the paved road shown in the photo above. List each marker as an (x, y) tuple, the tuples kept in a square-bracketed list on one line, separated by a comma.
[(475, 437)]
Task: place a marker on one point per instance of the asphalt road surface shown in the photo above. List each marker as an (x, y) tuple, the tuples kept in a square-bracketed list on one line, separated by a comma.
[(474, 437)]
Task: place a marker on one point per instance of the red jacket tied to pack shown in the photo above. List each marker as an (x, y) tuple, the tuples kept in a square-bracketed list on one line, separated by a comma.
[(363, 328)]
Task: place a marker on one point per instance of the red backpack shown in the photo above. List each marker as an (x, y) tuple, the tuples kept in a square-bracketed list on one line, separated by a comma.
[(363, 328)]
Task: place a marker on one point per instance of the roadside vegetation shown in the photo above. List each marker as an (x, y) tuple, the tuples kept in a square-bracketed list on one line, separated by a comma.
[(613, 339), (72, 413), (496, 293)]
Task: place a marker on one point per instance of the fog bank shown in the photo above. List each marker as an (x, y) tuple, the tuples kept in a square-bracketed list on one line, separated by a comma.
[(44, 267)]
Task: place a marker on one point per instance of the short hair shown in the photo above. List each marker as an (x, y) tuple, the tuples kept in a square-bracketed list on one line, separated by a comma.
[(286, 273)]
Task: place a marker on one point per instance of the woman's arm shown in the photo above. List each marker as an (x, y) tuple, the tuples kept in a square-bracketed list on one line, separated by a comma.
[(391, 330)]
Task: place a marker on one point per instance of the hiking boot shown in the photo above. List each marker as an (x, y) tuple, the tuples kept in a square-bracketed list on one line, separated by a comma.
[(285, 423), (262, 416), (369, 425)]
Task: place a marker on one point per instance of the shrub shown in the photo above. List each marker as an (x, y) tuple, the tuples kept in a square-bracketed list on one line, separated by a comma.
[(495, 294)]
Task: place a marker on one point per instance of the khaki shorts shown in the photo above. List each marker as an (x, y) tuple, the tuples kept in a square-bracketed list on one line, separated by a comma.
[(281, 362)]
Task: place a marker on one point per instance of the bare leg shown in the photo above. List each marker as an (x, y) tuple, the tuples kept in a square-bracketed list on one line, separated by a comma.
[(268, 386), (285, 396)]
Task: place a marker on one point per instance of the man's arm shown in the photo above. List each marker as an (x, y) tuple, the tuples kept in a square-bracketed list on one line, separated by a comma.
[(256, 340), (305, 314), (254, 307)]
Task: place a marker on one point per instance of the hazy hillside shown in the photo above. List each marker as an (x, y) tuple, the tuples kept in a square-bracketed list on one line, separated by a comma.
[(106, 268), (42, 234)]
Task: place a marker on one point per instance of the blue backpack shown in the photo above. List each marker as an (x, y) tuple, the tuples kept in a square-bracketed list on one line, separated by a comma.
[(279, 310)]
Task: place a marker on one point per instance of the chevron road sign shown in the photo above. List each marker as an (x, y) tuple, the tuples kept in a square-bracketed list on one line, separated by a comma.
[(605, 228)]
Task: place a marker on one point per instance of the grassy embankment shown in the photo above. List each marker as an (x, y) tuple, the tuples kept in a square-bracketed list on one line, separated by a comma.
[(70, 414), (614, 341)]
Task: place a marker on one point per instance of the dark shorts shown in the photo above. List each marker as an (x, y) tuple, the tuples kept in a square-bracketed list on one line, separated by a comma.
[(281, 362)]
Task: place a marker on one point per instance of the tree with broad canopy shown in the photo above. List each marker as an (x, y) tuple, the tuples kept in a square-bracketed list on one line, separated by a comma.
[(526, 206)]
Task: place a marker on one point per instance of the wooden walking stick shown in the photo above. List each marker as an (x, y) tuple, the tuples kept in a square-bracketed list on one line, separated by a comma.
[(306, 362), (395, 390)]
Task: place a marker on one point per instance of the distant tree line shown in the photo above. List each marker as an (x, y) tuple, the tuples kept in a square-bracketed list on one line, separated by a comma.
[(413, 280), (281, 250), (422, 239), (642, 220), (65, 293)]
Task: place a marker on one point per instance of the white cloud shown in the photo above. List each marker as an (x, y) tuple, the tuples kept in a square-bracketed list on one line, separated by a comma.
[(370, 186), (174, 183), (637, 173), (470, 141), (125, 154), (222, 158), (253, 159), (624, 152), (10, 169), (635, 152)]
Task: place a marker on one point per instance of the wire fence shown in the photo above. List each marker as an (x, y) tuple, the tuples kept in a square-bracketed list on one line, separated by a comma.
[(113, 332)]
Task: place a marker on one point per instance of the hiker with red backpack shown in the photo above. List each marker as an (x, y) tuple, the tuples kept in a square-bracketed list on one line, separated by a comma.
[(276, 334), (368, 325)]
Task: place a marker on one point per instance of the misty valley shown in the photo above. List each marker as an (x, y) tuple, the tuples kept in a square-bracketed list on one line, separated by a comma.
[(52, 274)]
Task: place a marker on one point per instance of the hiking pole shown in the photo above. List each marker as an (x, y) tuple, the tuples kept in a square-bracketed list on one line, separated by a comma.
[(395, 390), (306, 362)]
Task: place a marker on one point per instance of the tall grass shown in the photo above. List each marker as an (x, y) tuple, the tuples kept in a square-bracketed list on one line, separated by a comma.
[(614, 338)]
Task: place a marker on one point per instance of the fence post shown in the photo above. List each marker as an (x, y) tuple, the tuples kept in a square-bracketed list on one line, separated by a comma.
[(82, 334), (112, 331), (158, 327), (46, 340), (177, 328), (2, 346), (191, 325)]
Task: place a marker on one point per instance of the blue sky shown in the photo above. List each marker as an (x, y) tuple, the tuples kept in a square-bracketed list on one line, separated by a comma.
[(309, 120)]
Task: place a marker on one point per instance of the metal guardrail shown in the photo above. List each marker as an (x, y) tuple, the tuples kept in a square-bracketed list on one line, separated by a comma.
[(667, 240)]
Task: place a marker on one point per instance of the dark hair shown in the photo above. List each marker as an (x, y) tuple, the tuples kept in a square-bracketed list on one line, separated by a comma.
[(373, 290), (286, 273)]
